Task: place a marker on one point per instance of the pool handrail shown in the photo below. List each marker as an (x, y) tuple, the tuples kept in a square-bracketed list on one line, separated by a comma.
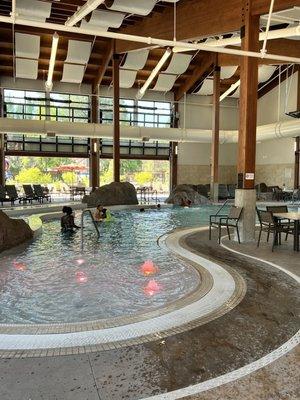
[(88, 211), (223, 205)]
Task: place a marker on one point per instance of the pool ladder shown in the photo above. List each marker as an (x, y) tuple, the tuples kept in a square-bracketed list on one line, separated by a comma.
[(88, 211)]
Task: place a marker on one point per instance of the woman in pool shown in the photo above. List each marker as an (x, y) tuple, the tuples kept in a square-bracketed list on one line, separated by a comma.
[(67, 221), (102, 214)]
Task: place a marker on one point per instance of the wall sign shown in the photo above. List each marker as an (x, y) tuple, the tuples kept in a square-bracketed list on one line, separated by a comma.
[(249, 176)]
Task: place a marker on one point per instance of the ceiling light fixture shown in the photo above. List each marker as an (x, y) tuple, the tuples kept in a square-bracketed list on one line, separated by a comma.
[(49, 82), (81, 12), (153, 74)]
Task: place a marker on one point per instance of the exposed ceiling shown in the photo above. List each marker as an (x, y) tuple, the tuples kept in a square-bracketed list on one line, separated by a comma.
[(96, 66)]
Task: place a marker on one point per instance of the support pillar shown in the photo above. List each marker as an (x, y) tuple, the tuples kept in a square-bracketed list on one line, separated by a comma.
[(94, 147), (246, 195), (297, 163), (173, 153), (116, 117), (214, 172), (2, 140)]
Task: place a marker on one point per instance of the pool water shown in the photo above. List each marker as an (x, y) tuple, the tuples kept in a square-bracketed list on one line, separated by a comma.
[(122, 273)]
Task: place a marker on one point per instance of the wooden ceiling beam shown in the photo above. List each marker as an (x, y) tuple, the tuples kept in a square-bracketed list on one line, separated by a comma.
[(203, 64), (107, 56)]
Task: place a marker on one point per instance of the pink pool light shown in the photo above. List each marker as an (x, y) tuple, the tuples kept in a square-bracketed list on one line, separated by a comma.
[(152, 288), (19, 266), (81, 277), (149, 268)]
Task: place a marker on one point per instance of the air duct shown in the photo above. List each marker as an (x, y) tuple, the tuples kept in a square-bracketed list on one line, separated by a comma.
[(77, 129)]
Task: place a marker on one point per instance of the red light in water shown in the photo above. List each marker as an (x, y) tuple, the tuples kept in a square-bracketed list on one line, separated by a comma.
[(19, 266), (149, 268), (81, 277), (80, 261), (152, 288)]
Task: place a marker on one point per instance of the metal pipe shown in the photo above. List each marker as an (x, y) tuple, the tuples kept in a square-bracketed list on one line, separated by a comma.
[(88, 211), (149, 40), (263, 50)]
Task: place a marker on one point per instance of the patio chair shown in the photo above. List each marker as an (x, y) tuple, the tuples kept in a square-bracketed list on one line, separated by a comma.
[(231, 190), (296, 195), (281, 209), (3, 196), (269, 224), (30, 195), (230, 220), (40, 193), (12, 194)]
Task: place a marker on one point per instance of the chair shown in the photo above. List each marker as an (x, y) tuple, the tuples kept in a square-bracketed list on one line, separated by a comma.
[(223, 192), (12, 194), (29, 194), (229, 220), (281, 209), (231, 190), (3, 196), (296, 195), (40, 193), (269, 224)]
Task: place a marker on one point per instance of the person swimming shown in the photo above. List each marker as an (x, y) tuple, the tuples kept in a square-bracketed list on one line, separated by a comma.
[(102, 214), (67, 221)]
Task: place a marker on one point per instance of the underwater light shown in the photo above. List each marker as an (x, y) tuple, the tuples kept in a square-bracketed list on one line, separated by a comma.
[(149, 268), (152, 288), (81, 277)]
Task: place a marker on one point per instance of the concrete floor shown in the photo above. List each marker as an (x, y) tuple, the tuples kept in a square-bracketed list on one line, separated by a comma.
[(265, 319)]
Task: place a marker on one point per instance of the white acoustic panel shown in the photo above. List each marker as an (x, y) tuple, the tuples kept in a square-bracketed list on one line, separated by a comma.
[(207, 88), (27, 69), (33, 10), (73, 73), (127, 78), (78, 52), (136, 60), (103, 20), (236, 94), (178, 64), (139, 7), (27, 46), (265, 72), (228, 72), (164, 82)]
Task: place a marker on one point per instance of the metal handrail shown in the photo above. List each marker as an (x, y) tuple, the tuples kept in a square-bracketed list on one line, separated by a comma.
[(88, 211), (223, 205)]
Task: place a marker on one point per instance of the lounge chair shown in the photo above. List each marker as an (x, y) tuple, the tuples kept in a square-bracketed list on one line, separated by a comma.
[(29, 194), (3, 196), (39, 192), (231, 191), (223, 192), (230, 220), (12, 194)]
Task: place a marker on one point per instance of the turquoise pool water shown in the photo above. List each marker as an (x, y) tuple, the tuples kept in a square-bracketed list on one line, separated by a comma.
[(124, 272)]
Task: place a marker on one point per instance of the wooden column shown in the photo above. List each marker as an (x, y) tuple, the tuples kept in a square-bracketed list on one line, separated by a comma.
[(2, 153), (297, 163), (245, 195), (173, 153), (116, 117), (215, 142), (248, 99), (94, 146)]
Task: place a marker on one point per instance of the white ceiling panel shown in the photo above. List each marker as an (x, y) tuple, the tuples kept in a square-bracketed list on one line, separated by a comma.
[(265, 72), (228, 72), (127, 78), (78, 52), (139, 7), (27, 46), (164, 82), (207, 88), (27, 69), (178, 64), (102, 19), (73, 73), (136, 60), (33, 10)]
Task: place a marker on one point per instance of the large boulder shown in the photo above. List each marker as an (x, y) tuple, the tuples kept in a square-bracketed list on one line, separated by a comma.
[(13, 232), (116, 193), (184, 194)]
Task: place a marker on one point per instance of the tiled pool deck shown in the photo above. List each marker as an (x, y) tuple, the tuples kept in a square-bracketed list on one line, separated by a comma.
[(265, 319)]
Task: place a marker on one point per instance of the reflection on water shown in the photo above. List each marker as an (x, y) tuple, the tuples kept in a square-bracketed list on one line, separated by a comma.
[(121, 273)]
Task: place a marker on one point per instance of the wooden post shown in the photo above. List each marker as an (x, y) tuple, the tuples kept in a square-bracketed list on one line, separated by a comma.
[(245, 195), (297, 163), (214, 174), (173, 153), (116, 117), (94, 146), (2, 137)]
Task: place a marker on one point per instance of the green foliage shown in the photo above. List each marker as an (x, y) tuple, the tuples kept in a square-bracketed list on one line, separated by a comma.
[(143, 178), (33, 176), (69, 178)]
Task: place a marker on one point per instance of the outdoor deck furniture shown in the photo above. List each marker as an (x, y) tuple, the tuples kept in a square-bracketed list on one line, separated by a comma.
[(269, 224), (281, 209), (223, 192), (3, 196), (231, 190), (12, 194), (296, 195), (292, 216), (40, 193), (229, 220), (77, 191), (30, 195)]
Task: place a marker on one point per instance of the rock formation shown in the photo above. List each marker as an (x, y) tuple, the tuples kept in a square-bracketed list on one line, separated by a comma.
[(116, 193), (13, 232), (188, 193)]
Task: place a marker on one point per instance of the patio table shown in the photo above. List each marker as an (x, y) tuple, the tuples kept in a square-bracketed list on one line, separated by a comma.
[(293, 216)]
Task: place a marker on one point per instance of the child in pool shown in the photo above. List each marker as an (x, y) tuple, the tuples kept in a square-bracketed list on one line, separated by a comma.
[(67, 221), (101, 214)]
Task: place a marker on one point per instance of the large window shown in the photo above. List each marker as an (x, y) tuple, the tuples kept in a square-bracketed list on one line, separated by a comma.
[(153, 114), (21, 104)]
